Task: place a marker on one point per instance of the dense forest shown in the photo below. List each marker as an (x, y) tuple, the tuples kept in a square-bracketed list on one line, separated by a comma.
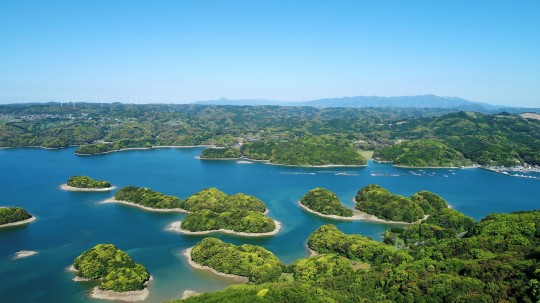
[(308, 151), (116, 270), (212, 209), (495, 260), (87, 182), (254, 262), (422, 153), (146, 197), (13, 214), (283, 135), (378, 201), (323, 201)]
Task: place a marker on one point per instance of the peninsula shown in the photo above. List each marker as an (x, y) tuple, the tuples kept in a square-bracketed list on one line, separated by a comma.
[(120, 277), (85, 183), (253, 262), (12, 216), (379, 202), (422, 153)]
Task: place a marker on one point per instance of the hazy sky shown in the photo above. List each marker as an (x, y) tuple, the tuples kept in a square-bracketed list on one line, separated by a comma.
[(182, 51)]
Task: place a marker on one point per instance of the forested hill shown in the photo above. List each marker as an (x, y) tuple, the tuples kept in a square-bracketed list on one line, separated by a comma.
[(500, 139)]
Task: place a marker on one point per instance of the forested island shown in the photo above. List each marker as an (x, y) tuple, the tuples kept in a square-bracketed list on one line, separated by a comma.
[(10, 216), (213, 210), (379, 202), (422, 153), (147, 199), (85, 183), (120, 277), (307, 151), (254, 262), (324, 202), (494, 261), (281, 135)]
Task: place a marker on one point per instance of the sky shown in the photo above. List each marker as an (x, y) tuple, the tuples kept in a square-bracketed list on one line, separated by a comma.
[(183, 51)]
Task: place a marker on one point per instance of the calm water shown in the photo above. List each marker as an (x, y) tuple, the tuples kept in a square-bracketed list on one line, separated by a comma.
[(69, 223)]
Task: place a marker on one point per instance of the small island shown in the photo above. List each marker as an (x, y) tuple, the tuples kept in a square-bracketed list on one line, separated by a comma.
[(147, 199), (12, 216), (422, 153), (85, 183), (255, 263), (120, 277), (323, 202), (211, 210)]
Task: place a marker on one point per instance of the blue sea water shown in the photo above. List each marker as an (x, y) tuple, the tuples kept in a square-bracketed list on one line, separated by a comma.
[(69, 223)]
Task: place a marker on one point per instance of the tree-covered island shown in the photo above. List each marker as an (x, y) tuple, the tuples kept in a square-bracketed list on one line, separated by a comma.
[(85, 183), (324, 202), (495, 260), (147, 199), (422, 153), (379, 202), (10, 216), (213, 210), (306, 151), (120, 277), (254, 262)]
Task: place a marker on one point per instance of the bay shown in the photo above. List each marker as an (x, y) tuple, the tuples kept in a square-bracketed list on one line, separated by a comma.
[(69, 223)]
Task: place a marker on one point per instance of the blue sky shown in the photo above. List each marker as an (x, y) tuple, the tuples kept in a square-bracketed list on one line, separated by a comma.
[(183, 51)]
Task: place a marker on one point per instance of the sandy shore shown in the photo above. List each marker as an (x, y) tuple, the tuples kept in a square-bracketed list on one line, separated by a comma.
[(177, 227), (335, 217), (137, 295), (187, 254), (189, 293), (162, 210), (24, 254), (71, 188), (144, 148), (357, 215), (18, 223)]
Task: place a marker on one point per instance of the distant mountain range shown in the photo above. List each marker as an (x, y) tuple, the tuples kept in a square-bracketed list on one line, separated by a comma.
[(420, 101)]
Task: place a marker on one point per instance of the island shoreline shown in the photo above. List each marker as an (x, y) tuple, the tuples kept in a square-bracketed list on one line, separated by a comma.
[(71, 188), (162, 210), (23, 222), (193, 264), (177, 227)]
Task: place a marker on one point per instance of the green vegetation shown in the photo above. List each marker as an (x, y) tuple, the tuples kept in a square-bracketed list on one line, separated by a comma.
[(13, 214), (221, 153), (496, 261), (254, 262), (238, 221), (215, 200), (327, 239), (429, 202), (309, 151), (87, 182), (381, 203), (213, 209), (117, 271), (146, 197), (281, 135), (323, 201), (422, 153)]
